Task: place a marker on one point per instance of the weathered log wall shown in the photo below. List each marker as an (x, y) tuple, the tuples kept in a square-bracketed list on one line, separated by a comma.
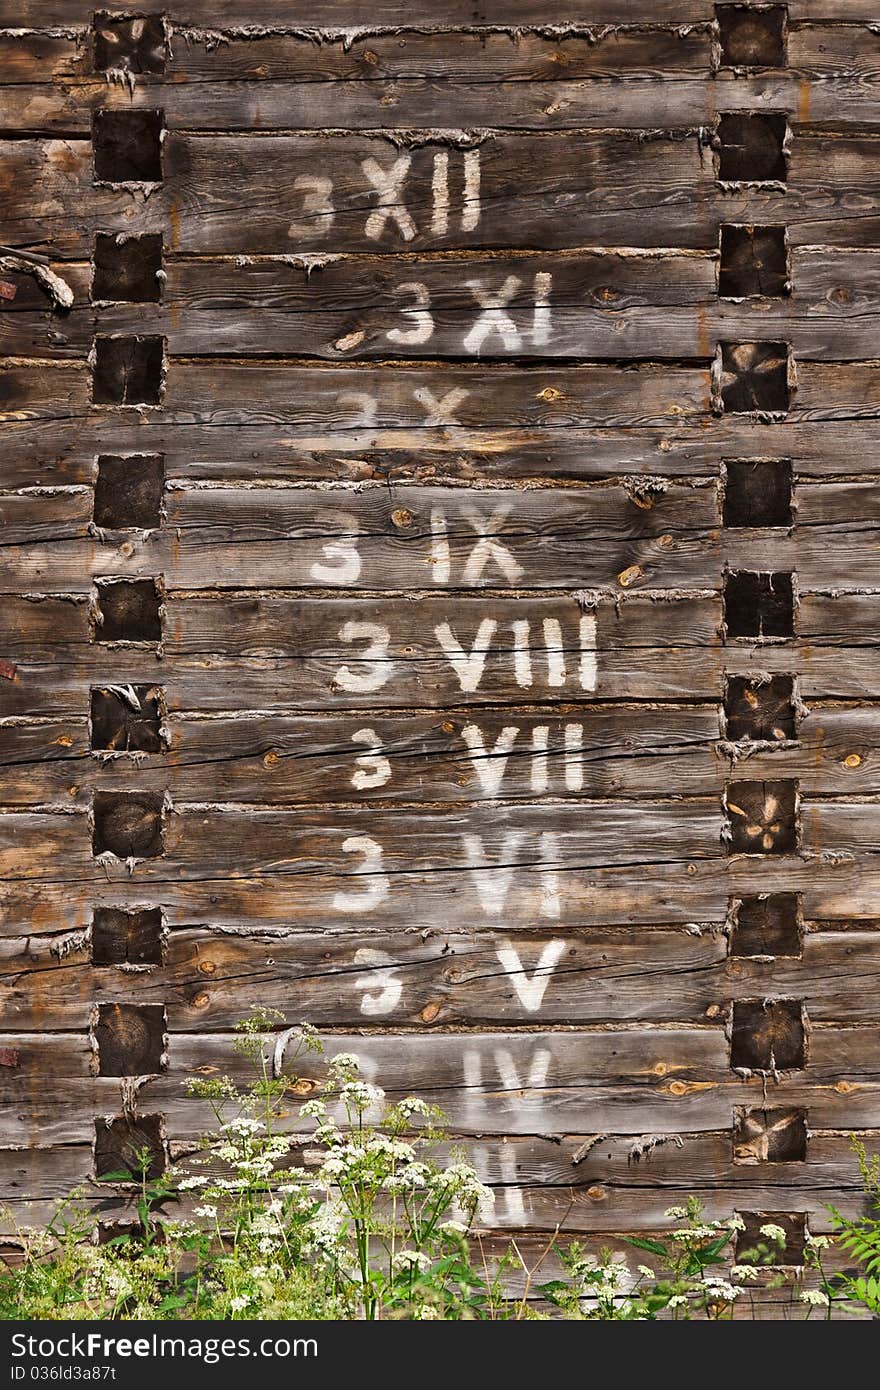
[(439, 581)]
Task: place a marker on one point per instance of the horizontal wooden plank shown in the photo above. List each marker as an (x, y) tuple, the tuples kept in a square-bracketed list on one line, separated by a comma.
[(577, 750), (440, 977), (623, 1082), (38, 453), (660, 538), (296, 654), (622, 100), (578, 305), (452, 757), (614, 190), (329, 15)]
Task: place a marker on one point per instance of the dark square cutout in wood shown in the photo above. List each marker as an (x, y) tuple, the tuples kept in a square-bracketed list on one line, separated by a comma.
[(769, 1136), (123, 936), (754, 263), (751, 147), (767, 924), (759, 708), (128, 824), (750, 36), (127, 146), (758, 605), (130, 1039), (762, 817), (749, 1240), (127, 718), (120, 1141), (128, 492), (126, 268), (128, 610), (768, 1035), (129, 43), (128, 371), (753, 378), (757, 492)]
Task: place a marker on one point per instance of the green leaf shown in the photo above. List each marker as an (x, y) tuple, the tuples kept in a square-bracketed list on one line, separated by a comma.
[(654, 1247)]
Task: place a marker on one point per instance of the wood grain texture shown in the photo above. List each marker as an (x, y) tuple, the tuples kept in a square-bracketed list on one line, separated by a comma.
[(401, 690)]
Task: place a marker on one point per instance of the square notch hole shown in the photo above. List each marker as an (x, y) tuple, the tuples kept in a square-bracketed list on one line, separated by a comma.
[(127, 269), (130, 1039), (127, 610), (769, 1136), (754, 263), (762, 817), (751, 38), (758, 605), (129, 43), (120, 1142), (127, 146), (768, 1035), (760, 709), (751, 147), (768, 924), (752, 1246), (127, 937), (757, 493), (128, 824), (129, 491), (753, 378), (128, 371), (127, 718)]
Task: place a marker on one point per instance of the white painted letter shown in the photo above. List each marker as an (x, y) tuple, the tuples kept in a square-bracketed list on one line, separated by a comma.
[(468, 667), (423, 324), (488, 548), (440, 194), (574, 757), (381, 978), (470, 212), (541, 316), (522, 654), (440, 562), (376, 668), (440, 412), (490, 767), (378, 885), (373, 769), (345, 566), (388, 184), (318, 203), (531, 991), (493, 319), (589, 674), (556, 672)]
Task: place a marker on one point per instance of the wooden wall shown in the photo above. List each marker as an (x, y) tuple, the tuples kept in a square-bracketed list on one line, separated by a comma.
[(440, 579)]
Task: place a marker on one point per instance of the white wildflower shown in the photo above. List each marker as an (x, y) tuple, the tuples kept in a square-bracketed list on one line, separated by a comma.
[(675, 1213), (677, 1300), (452, 1228), (774, 1233), (745, 1272), (818, 1242), (315, 1109), (411, 1260), (186, 1184), (815, 1297), (735, 1223), (645, 1272), (206, 1210), (238, 1303)]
